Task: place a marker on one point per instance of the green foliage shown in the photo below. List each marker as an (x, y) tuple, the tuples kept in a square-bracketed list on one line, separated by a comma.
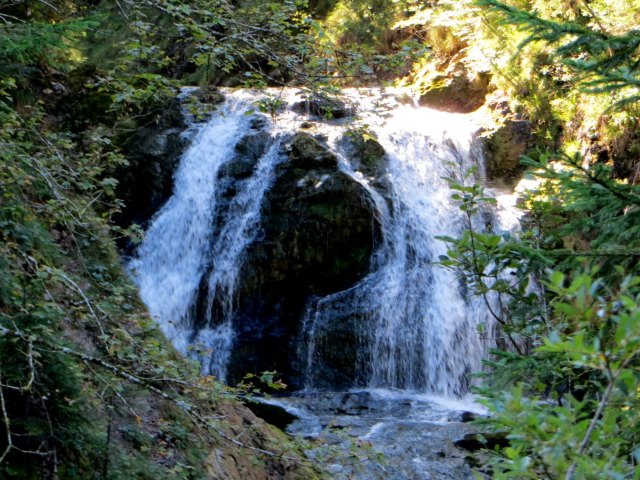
[(42, 391), (591, 204), (270, 104), (567, 290), (29, 44), (253, 384), (499, 267), (595, 434), (575, 340), (572, 412), (605, 62), (89, 388)]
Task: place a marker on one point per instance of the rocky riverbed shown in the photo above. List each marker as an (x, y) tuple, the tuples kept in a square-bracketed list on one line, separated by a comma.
[(399, 435)]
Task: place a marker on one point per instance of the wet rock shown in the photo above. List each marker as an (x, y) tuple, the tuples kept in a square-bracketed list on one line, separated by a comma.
[(468, 417), (308, 152), (367, 154), (415, 443), (483, 441), (258, 122), (455, 90), (248, 151), (351, 422), (201, 103), (208, 95), (503, 149), (153, 153), (354, 403), (324, 107), (336, 346), (359, 403), (317, 234), (274, 414)]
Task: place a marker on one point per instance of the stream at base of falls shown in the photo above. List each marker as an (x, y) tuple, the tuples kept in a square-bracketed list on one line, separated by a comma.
[(401, 435)]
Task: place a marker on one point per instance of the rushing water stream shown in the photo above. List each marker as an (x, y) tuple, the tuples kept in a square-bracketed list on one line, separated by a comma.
[(419, 332)]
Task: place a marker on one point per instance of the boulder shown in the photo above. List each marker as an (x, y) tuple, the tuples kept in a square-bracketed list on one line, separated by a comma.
[(367, 154), (271, 413), (455, 90), (323, 106), (247, 153), (208, 96), (201, 103), (317, 234), (503, 149)]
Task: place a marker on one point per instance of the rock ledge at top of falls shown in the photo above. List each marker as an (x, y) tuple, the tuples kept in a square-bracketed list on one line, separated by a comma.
[(318, 231), (323, 106)]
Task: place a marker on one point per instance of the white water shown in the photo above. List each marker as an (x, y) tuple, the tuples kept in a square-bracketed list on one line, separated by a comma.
[(173, 257), (421, 330), (418, 332)]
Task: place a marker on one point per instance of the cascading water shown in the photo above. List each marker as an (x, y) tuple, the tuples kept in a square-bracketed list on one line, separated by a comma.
[(177, 248), (421, 331), (417, 330)]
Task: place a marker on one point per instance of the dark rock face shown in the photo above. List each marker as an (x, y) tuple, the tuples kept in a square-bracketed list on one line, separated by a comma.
[(318, 232), (248, 151), (337, 341), (324, 107), (503, 149), (153, 156), (271, 413), (485, 440)]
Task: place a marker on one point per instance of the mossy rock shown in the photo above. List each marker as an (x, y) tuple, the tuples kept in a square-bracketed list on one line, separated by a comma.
[(306, 152), (503, 149), (208, 95), (456, 91), (318, 230), (323, 106), (367, 154)]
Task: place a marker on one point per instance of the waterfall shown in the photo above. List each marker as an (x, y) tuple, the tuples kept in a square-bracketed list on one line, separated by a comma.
[(418, 329), (422, 330), (173, 257)]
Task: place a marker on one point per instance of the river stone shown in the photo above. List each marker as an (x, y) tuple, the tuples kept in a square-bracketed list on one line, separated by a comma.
[(318, 231)]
